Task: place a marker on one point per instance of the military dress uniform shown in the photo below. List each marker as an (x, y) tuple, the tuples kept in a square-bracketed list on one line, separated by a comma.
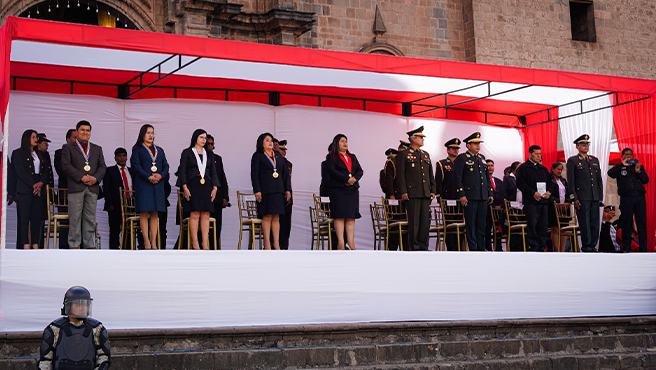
[(286, 220), (473, 181), (389, 174), (584, 184), (445, 185), (415, 178)]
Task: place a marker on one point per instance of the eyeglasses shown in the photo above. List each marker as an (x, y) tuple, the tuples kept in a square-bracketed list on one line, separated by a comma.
[(210, 143)]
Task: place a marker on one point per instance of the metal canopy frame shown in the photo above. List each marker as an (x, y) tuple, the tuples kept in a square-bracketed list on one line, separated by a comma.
[(124, 89)]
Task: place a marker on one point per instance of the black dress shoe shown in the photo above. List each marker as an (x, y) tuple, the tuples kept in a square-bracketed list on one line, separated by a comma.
[(589, 250)]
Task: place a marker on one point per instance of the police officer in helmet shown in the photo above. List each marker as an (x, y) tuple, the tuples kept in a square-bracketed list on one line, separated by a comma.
[(75, 341)]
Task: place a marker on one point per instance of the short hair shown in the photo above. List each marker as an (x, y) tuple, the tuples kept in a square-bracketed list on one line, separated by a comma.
[(210, 137), (489, 161), (514, 166), (275, 140), (627, 150), (82, 123), (69, 133), (533, 148), (120, 151), (507, 170)]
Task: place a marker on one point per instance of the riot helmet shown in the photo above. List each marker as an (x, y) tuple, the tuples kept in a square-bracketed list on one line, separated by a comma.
[(77, 303)]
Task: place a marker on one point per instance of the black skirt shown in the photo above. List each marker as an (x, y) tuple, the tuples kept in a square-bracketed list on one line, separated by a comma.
[(201, 196), (271, 204), (344, 202)]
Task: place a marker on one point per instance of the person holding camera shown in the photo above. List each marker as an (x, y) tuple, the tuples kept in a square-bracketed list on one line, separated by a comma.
[(631, 179)]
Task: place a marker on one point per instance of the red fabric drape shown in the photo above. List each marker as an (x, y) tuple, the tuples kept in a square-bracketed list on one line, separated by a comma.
[(635, 127), (5, 51), (544, 135)]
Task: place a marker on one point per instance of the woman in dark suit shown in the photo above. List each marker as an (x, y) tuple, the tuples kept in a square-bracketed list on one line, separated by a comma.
[(272, 187), (149, 165), (559, 194), (31, 174), (199, 183), (345, 173)]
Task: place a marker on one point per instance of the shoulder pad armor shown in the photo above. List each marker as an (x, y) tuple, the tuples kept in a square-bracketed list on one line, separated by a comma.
[(92, 322), (60, 321)]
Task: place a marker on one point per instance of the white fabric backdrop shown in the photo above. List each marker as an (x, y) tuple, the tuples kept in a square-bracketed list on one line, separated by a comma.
[(235, 127), (169, 289)]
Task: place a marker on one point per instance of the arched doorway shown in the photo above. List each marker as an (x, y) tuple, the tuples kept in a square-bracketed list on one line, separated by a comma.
[(79, 11)]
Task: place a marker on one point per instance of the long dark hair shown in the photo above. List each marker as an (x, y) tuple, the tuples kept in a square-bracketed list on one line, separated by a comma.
[(26, 141), (259, 145), (335, 153), (194, 137), (554, 166), (140, 138)]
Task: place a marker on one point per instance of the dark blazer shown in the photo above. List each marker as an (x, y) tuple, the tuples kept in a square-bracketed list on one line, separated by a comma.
[(11, 178), (73, 164), (63, 179), (325, 179), (499, 193), (553, 188), (23, 165), (415, 173), (389, 171), (584, 179), (189, 169), (112, 181), (629, 182), (605, 241), (338, 174), (147, 195), (472, 177), (46, 158), (220, 173), (262, 174), (445, 179), (528, 175), (510, 188)]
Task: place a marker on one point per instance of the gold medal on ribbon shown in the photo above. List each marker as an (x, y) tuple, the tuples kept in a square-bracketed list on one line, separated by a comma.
[(153, 156), (275, 174), (202, 181), (87, 167), (153, 168)]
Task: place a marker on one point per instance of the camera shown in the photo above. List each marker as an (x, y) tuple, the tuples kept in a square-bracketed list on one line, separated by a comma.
[(632, 162)]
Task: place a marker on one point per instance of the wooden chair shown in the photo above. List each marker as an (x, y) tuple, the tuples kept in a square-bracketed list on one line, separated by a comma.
[(378, 221), (516, 222), (129, 218), (497, 214), (248, 220), (396, 220), (567, 226), (57, 199), (453, 219), (184, 226), (436, 226), (325, 224)]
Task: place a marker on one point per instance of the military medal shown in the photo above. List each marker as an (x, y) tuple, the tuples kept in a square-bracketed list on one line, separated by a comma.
[(202, 164), (152, 156), (273, 163), (85, 154)]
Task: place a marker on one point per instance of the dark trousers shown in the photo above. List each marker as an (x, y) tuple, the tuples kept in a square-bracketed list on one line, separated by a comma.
[(634, 205), (536, 226), (418, 210), (218, 216), (163, 218), (30, 209), (115, 225), (285, 227), (588, 217), (475, 213)]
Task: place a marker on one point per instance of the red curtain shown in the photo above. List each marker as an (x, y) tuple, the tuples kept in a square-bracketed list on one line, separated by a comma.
[(635, 128), (545, 135)]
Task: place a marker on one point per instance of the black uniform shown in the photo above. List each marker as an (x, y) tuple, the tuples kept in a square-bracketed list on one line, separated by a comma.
[(445, 188), (389, 178), (631, 189), (75, 346), (528, 175), (222, 194), (415, 177), (498, 193), (62, 182), (286, 220), (473, 181), (585, 185)]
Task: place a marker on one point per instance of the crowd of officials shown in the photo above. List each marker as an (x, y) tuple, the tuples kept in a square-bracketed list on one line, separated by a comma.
[(408, 176)]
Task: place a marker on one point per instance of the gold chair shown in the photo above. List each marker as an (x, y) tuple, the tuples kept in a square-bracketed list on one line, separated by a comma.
[(57, 199), (436, 226), (567, 226), (184, 226), (516, 222), (497, 214), (129, 217), (378, 221), (248, 220), (396, 220), (453, 221), (325, 224)]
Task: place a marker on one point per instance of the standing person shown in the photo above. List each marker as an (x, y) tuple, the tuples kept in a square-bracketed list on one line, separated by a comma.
[(42, 147), (119, 176), (286, 220), (62, 182), (75, 340), (557, 186), (532, 178), (497, 204), (325, 176), (474, 189), (417, 188), (84, 165), (271, 186), (388, 174), (222, 199), (199, 183), (151, 169), (344, 173), (31, 177), (631, 179), (445, 183), (586, 192), (510, 184)]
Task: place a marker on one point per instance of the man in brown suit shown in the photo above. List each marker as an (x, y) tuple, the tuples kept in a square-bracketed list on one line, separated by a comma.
[(84, 165)]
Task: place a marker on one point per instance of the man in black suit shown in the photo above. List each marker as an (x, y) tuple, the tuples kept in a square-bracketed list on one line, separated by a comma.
[(62, 182), (497, 203), (117, 176), (510, 184), (42, 146), (286, 220), (222, 199), (84, 165), (608, 242), (532, 179)]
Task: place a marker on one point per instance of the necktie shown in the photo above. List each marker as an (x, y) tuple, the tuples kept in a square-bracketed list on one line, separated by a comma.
[(493, 186), (125, 182)]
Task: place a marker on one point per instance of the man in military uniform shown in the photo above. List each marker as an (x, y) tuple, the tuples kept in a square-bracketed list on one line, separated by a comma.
[(474, 189), (286, 220), (388, 174), (631, 179), (417, 187), (445, 183), (586, 192)]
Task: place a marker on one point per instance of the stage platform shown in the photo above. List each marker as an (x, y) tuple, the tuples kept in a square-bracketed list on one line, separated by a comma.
[(192, 289)]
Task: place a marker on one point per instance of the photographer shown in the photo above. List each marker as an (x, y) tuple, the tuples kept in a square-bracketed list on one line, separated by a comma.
[(631, 177)]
